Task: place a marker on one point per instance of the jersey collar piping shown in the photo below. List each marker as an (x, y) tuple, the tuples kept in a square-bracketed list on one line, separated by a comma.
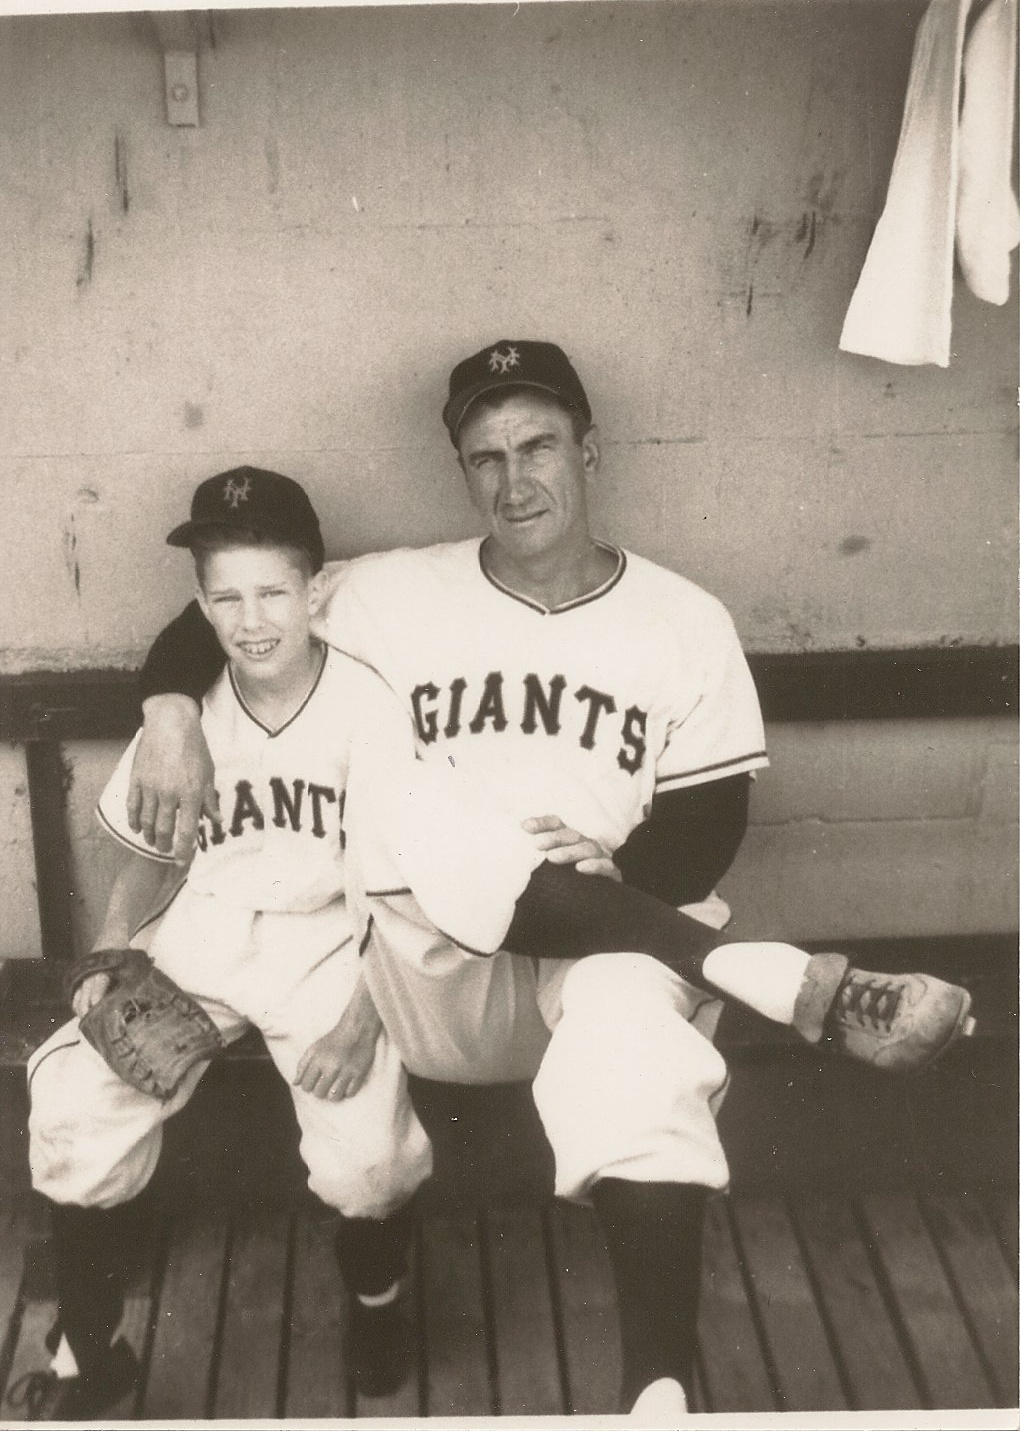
[(599, 591), (291, 719)]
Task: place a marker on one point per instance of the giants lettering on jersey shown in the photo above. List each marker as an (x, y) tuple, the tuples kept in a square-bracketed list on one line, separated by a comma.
[(296, 805), (587, 715)]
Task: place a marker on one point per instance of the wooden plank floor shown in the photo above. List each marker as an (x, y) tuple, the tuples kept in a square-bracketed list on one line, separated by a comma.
[(889, 1301)]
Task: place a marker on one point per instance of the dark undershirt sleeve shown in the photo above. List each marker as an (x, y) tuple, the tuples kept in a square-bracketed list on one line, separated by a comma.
[(688, 842), (184, 659)]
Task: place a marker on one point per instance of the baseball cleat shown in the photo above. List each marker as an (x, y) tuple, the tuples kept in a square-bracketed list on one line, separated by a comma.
[(897, 1022), (44, 1396)]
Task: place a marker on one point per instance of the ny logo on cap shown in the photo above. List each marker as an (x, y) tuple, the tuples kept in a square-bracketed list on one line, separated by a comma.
[(503, 362), (235, 492)]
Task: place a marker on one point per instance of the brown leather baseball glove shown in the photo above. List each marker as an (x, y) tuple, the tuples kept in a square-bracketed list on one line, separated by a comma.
[(148, 1030)]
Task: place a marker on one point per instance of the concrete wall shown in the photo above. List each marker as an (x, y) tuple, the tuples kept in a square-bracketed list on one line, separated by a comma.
[(681, 193)]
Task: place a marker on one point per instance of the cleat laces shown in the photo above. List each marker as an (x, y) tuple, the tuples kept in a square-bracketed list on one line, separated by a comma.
[(872, 1002)]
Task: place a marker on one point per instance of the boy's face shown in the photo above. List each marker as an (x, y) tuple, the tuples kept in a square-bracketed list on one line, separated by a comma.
[(260, 602)]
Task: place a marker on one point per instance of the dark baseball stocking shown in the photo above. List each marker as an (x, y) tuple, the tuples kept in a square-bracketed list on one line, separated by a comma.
[(90, 1246), (653, 1232), (566, 915), (372, 1252)]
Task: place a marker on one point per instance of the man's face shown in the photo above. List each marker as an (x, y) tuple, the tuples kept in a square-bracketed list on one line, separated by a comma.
[(527, 475), (260, 601)]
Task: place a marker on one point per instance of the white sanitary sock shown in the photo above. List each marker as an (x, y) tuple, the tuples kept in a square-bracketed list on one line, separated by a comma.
[(63, 1362), (766, 976), (380, 1299)]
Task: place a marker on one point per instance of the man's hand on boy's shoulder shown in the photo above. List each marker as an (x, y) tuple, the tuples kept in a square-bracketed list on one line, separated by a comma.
[(172, 778), (336, 1065)]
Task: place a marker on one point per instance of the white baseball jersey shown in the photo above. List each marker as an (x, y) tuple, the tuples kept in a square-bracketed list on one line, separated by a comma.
[(585, 712), (279, 844)]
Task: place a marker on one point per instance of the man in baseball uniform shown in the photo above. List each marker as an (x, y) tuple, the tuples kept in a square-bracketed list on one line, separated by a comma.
[(559, 677)]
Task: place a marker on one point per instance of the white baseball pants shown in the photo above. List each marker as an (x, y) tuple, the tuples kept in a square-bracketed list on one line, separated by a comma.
[(625, 1076), (95, 1141)]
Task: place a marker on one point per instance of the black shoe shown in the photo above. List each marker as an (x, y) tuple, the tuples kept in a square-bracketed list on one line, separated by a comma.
[(44, 1396), (379, 1347)]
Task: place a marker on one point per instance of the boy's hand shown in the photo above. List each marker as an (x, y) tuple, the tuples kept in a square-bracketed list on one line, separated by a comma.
[(89, 992), (172, 778), (336, 1065), (564, 846)]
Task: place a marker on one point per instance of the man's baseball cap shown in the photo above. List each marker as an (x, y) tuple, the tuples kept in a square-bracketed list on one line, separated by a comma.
[(252, 499), (513, 363)]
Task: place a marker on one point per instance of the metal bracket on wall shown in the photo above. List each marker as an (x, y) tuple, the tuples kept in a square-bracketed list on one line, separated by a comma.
[(178, 36)]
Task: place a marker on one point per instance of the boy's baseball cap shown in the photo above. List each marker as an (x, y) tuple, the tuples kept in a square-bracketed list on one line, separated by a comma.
[(515, 362), (254, 500)]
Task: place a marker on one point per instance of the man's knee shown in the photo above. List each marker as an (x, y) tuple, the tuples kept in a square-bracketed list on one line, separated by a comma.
[(614, 985), (627, 1080)]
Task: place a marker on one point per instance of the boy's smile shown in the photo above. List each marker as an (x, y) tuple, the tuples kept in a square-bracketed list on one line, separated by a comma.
[(257, 649)]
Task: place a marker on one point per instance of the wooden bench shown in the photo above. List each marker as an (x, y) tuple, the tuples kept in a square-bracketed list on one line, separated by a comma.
[(43, 710), (866, 1258)]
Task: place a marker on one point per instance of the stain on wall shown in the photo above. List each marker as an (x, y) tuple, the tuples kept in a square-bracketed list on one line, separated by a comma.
[(88, 257), (120, 170)]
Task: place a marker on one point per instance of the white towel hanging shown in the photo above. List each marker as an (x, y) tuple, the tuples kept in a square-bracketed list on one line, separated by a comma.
[(947, 166), (987, 217)]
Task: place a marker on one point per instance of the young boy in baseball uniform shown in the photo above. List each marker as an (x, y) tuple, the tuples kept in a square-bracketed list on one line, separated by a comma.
[(556, 673), (258, 933)]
